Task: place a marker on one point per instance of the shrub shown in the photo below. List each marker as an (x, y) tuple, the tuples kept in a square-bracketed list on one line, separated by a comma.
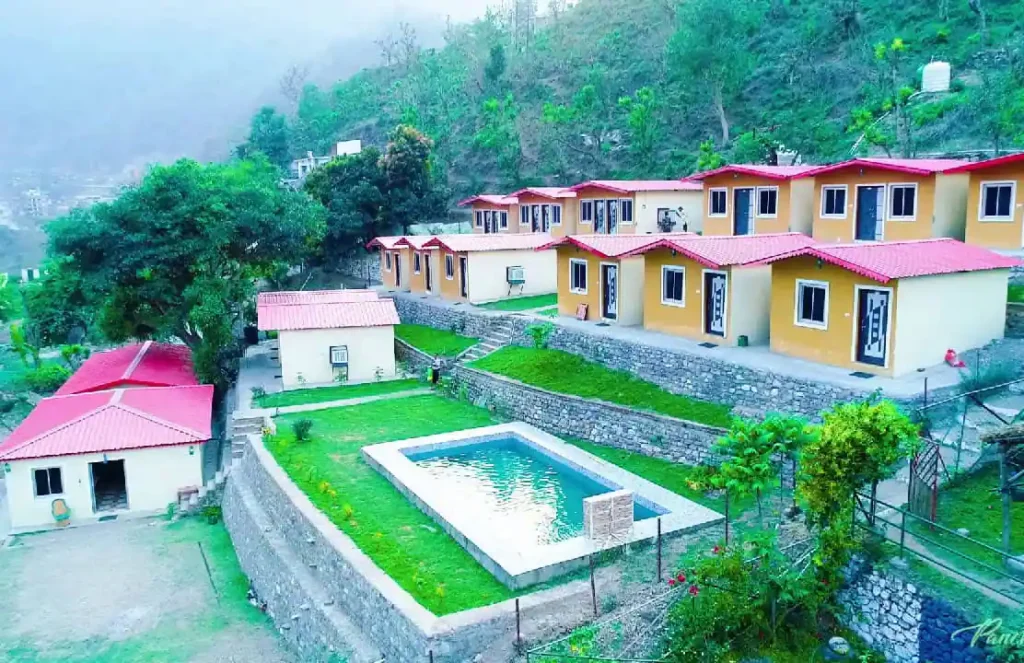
[(541, 334), (47, 378), (212, 514), (992, 374), (302, 429), (258, 392)]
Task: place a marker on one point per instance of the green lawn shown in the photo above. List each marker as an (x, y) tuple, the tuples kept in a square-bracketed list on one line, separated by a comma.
[(522, 303), (341, 392), (434, 341), (566, 373), (407, 544), (1016, 293)]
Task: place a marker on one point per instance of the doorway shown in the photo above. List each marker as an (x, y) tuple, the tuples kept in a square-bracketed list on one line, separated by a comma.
[(398, 270), (743, 203), (610, 292), (427, 274), (463, 268), (716, 292), (870, 208), (873, 326), (109, 489)]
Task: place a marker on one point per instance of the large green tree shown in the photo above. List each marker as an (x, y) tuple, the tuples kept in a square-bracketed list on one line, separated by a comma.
[(178, 255), (316, 122), (415, 193), (268, 133), (498, 136)]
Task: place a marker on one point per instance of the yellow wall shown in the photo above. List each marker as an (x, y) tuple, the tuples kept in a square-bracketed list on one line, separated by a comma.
[(450, 288), (568, 301), (681, 320), (387, 277), (834, 345), (714, 225), (568, 226), (594, 193), (418, 282), (481, 207), (842, 230), (996, 234)]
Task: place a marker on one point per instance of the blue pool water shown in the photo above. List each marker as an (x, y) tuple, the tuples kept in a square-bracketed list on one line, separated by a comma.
[(533, 496)]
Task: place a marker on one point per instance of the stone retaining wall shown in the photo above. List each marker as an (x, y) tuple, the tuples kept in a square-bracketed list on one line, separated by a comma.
[(1015, 320), (417, 361), (466, 321)]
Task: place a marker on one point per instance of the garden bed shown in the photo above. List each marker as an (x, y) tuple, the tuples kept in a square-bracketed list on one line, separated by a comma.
[(341, 392), (522, 303), (434, 341)]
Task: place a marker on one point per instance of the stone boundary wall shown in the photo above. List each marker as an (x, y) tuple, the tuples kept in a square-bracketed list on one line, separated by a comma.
[(1015, 320), (603, 423), (467, 321), (418, 361)]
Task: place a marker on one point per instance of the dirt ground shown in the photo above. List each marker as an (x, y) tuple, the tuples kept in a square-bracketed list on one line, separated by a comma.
[(130, 591)]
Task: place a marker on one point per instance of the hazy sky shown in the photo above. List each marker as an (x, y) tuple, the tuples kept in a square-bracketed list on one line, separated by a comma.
[(101, 83)]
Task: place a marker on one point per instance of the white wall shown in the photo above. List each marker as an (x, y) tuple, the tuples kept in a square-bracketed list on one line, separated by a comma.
[(152, 478), (750, 307), (801, 205), (951, 205), (935, 313), (631, 291), (308, 352), (648, 202), (487, 278)]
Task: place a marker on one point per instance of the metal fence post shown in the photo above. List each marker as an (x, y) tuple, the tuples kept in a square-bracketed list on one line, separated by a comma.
[(593, 586), (519, 634), (659, 549), (903, 530)]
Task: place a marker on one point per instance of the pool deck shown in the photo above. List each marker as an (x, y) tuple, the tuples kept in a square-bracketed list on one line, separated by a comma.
[(518, 563)]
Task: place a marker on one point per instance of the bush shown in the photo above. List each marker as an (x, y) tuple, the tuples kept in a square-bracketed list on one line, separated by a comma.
[(47, 378), (985, 377), (302, 429), (541, 334), (258, 392)]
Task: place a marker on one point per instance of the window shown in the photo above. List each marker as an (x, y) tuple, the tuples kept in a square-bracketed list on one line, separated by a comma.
[(718, 202), (449, 267), (556, 215), (768, 201), (613, 215), (416, 262), (626, 210), (387, 262), (997, 200), (587, 211), (504, 219), (535, 213), (599, 216), (339, 355), (48, 481), (812, 304), (524, 215), (545, 215), (903, 201), (479, 219), (672, 280), (833, 202), (578, 276)]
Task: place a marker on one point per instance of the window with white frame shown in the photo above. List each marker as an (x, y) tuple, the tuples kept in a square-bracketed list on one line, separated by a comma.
[(545, 217), (449, 266), (673, 281), (339, 355), (504, 219), (613, 215), (768, 201), (599, 208), (387, 261), (48, 481), (578, 276), (556, 215), (812, 304), (997, 199), (903, 201), (626, 210), (718, 202), (524, 215), (535, 214), (587, 211), (833, 202), (416, 258), (479, 219)]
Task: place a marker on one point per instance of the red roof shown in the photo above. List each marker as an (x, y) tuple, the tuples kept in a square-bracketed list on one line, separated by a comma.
[(718, 252), (757, 170), (146, 364), (490, 242), (416, 241), (551, 192), (884, 261), (612, 246), (633, 186), (910, 166), (490, 199), (989, 163), (324, 309), (385, 242), (115, 420)]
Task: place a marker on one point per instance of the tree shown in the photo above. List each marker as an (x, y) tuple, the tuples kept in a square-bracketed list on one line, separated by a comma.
[(711, 50), (268, 134), (178, 255), (749, 464), (293, 81), (998, 106), (499, 135), (708, 158), (57, 304), (585, 128), (496, 64), (644, 128), (316, 122), (8, 295), (414, 194)]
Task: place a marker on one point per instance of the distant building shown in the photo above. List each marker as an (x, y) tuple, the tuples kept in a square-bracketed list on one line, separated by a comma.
[(35, 203), (300, 168)]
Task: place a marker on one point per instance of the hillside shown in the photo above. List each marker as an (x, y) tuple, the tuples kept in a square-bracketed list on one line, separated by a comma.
[(633, 87)]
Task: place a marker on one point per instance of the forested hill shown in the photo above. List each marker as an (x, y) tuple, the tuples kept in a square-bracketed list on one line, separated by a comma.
[(652, 88)]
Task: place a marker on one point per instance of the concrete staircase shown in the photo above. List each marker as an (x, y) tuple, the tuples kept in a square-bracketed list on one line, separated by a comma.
[(242, 426), (190, 502), (499, 336)]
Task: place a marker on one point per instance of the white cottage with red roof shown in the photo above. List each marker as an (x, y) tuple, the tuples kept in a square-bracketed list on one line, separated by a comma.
[(330, 336), (122, 437), (486, 268)]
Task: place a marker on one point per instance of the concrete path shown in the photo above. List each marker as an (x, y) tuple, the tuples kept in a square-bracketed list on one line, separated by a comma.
[(327, 405)]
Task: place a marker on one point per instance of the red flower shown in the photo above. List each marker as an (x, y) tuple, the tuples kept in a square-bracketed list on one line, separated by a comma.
[(824, 581), (681, 578), (671, 582), (716, 550), (693, 590)]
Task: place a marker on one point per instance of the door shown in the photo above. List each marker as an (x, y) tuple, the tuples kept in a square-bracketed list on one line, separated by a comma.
[(873, 326), (109, 488), (742, 204), (716, 290), (487, 223), (427, 275), (398, 270), (610, 292), (870, 205), (613, 216), (463, 267)]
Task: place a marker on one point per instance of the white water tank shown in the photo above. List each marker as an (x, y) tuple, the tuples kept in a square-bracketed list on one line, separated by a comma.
[(935, 77)]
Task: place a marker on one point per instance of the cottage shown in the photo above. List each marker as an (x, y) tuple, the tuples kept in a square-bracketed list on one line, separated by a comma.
[(330, 336), (492, 213), (625, 207), (748, 199), (887, 308), (888, 199), (486, 268), (395, 261), (995, 215), (712, 289), (425, 262), (109, 443), (546, 209), (600, 278)]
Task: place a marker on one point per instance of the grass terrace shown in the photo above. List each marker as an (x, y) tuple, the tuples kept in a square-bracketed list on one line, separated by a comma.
[(566, 373), (434, 341), (1016, 293), (339, 393), (522, 303)]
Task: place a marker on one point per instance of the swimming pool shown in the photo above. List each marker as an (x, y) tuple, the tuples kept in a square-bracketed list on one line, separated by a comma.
[(512, 496)]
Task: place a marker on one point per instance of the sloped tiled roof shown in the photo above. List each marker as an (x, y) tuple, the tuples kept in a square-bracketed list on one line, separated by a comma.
[(612, 246), (389, 242), (989, 163), (633, 186), (757, 170), (146, 364), (551, 192), (303, 297), (885, 261), (490, 242), (716, 252), (326, 309), (498, 200), (113, 420), (416, 241), (909, 166)]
